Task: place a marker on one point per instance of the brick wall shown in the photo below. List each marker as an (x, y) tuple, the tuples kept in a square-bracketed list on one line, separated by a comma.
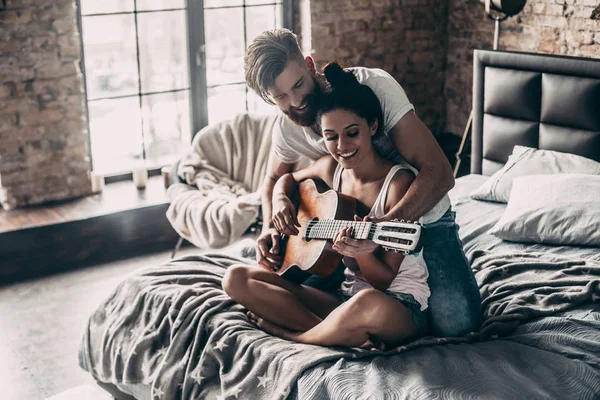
[(544, 26), (426, 45), (43, 133), (407, 38)]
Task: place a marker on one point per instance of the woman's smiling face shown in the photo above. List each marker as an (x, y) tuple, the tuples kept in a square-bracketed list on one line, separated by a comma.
[(347, 136)]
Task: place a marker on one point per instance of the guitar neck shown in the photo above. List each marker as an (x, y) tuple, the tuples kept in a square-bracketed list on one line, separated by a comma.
[(327, 228)]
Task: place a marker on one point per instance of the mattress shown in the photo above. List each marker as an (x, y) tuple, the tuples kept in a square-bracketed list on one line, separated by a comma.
[(551, 356)]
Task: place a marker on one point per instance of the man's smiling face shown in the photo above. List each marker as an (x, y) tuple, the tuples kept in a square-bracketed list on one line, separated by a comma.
[(297, 93)]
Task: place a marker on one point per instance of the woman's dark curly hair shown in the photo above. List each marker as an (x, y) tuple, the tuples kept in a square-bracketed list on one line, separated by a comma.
[(346, 93)]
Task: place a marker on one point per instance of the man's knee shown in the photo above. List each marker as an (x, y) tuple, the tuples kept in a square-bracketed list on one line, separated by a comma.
[(235, 280), (457, 327), (454, 314)]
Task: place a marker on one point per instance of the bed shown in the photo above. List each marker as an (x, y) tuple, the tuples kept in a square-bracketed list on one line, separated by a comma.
[(170, 332)]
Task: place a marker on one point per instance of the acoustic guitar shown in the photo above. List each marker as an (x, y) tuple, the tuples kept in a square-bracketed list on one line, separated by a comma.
[(322, 213)]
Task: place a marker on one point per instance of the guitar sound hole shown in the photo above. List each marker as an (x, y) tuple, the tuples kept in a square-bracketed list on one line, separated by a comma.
[(309, 227)]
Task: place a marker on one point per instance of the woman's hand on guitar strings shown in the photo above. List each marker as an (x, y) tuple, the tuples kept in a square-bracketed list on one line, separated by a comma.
[(284, 216), (344, 244), (267, 250)]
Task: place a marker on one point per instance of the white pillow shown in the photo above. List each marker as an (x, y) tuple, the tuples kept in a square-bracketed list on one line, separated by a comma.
[(553, 209), (528, 161)]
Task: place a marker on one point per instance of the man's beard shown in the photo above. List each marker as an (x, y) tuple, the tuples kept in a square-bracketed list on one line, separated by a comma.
[(313, 104)]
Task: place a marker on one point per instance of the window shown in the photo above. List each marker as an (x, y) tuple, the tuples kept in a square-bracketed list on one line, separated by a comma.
[(157, 71)]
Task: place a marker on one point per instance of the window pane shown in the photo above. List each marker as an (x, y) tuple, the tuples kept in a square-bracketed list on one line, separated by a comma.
[(279, 16), (224, 47), (256, 105), (110, 55), (105, 6), (225, 102), (116, 134), (250, 2), (166, 126), (222, 3), (143, 5), (261, 18), (163, 51)]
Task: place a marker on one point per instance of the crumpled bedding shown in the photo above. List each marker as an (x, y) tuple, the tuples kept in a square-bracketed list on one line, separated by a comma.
[(223, 170), (173, 329)]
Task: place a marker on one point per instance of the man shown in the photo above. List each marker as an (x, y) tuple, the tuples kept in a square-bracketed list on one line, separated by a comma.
[(276, 70)]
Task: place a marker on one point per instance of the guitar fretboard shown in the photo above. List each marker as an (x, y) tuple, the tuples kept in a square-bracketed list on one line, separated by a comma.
[(327, 228)]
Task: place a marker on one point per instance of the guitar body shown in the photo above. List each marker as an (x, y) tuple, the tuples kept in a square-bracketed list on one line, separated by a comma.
[(303, 257), (323, 212)]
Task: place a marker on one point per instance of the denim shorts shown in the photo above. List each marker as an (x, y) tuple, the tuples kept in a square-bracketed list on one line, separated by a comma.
[(412, 305)]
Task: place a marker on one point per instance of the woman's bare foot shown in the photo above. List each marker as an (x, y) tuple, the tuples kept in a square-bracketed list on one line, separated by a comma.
[(270, 327), (374, 344), (368, 345)]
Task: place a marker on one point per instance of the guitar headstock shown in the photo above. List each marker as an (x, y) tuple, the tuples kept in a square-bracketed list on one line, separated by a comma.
[(399, 236)]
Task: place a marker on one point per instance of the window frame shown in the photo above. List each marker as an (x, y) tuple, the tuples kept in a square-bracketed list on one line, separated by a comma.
[(197, 85)]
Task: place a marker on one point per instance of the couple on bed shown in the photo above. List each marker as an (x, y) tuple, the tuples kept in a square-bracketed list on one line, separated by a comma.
[(368, 143)]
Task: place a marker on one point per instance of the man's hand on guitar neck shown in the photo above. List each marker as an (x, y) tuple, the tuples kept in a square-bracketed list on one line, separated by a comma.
[(267, 246)]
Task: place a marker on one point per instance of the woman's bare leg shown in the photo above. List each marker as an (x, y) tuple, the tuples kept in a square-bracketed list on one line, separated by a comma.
[(277, 300), (369, 313)]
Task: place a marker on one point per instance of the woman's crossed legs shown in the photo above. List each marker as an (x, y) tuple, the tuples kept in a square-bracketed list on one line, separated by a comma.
[(307, 315)]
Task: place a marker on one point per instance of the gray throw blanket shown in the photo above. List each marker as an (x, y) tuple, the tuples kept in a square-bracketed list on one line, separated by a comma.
[(172, 327), (516, 288)]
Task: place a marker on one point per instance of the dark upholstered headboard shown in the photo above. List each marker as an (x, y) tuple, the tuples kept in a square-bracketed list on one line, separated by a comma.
[(535, 100)]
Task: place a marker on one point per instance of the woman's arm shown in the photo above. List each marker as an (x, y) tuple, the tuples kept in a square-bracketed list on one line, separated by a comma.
[(284, 214), (377, 272), (381, 267)]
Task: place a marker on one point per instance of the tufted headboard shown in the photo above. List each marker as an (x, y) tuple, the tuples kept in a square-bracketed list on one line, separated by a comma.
[(535, 100)]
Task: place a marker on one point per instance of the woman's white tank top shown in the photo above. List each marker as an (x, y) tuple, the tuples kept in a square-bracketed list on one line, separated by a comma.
[(412, 275)]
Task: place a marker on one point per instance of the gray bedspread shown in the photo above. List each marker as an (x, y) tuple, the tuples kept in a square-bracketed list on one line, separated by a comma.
[(173, 327), (172, 330)]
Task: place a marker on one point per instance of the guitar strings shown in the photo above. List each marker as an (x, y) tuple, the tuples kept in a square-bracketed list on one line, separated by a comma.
[(328, 224), (304, 226), (392, 240), (304, 230)]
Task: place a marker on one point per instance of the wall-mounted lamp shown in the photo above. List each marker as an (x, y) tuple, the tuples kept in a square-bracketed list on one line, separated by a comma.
[(596, 13), (498, 11)]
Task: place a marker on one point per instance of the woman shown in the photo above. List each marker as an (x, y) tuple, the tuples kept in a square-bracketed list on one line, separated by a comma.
[(383, 298)]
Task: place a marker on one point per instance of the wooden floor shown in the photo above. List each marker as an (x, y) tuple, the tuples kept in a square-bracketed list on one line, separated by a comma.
[(41, 323)]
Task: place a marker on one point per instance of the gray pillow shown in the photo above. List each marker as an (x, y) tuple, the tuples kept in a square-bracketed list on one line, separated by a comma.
[(528, 161), (552, 209)]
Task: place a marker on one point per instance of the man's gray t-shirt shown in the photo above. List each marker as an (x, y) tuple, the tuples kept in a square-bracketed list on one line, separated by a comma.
[(291, 142)]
